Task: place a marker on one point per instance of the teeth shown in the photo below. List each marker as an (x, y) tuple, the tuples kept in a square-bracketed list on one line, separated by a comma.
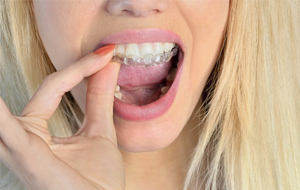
[(118, 93), (159, 48), (146, 54), (132, 49), (140, 50), (120, 49), (147, 48), (168, 47), (117, 88), (171, 75), (165, 89)]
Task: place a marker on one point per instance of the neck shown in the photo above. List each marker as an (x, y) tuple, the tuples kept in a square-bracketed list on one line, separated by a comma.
[(163, 169)]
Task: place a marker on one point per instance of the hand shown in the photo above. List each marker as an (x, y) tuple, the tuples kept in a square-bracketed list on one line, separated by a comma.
[(86, 161)]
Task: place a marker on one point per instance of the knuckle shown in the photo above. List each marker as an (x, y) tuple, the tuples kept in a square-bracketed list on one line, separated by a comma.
[(54, 84), (98, 91)]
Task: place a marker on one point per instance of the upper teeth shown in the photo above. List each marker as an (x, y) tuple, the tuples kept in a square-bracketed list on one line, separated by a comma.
[(141, 50)]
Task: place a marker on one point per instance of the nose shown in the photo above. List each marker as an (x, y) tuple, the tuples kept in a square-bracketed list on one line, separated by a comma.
[(137, 8)]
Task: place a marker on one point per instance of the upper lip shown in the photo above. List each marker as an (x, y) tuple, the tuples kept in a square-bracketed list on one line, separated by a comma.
[(143, 36)]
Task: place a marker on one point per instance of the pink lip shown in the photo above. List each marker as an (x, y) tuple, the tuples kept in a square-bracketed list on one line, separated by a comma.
[(142, 36), (162, 105)]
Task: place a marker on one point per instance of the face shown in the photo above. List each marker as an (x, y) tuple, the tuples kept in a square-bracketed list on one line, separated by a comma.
[(156, 106)]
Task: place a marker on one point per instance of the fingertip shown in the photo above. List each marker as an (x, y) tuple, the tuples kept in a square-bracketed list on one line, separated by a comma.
[(105, 50), (97, 60)]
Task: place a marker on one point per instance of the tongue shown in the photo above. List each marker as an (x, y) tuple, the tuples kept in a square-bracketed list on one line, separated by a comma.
[(141, 85), (142, 76)]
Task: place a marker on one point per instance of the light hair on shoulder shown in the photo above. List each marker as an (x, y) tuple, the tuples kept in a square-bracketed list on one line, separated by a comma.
[(23, 66), (250, 136)]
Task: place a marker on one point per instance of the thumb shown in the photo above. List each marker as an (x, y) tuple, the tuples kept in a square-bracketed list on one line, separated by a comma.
[(98, 120)]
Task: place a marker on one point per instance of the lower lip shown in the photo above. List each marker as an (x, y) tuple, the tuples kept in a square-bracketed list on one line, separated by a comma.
[(152, 110)]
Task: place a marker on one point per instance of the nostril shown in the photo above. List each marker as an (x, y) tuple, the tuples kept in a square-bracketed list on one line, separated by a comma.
[(134, 14), (126, 13), (137, 8), (138, 13)]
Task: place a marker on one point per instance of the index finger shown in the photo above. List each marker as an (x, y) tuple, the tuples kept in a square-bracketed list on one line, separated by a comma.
[(46, 100)]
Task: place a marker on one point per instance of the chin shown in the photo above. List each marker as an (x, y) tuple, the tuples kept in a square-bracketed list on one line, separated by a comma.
[(146, 136)]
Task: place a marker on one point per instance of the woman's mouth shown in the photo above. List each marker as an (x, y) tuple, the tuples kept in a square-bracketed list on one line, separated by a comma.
[(149, 75), (147, 72)]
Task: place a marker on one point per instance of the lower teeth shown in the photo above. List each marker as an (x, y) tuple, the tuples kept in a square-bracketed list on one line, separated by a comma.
[(119, 95), (147, 60)]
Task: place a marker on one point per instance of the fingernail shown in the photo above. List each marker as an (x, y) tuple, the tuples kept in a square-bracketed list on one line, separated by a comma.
[(106, 49)]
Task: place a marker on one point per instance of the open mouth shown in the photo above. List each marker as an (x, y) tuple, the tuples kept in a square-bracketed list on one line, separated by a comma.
[(147, 73)]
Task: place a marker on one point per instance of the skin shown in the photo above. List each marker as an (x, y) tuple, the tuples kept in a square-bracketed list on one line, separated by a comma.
[(70, 31)]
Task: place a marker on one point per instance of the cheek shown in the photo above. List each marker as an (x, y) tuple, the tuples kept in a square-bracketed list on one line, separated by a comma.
[(209, 28), (61, 25), (207, 21)]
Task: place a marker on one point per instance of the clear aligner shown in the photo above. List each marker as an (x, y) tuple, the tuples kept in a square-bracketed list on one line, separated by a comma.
[(147, 60)]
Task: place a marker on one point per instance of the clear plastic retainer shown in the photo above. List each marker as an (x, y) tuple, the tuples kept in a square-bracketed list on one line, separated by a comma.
[(148, 60)]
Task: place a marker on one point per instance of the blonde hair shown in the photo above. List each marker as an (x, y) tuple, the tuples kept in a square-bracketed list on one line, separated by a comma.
[(23, 66), (250, 135)]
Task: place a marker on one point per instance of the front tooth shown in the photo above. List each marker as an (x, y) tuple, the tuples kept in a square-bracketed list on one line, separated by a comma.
[(120, 49), (132, 49), (158, 47), (146, 49), (168, 47)]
